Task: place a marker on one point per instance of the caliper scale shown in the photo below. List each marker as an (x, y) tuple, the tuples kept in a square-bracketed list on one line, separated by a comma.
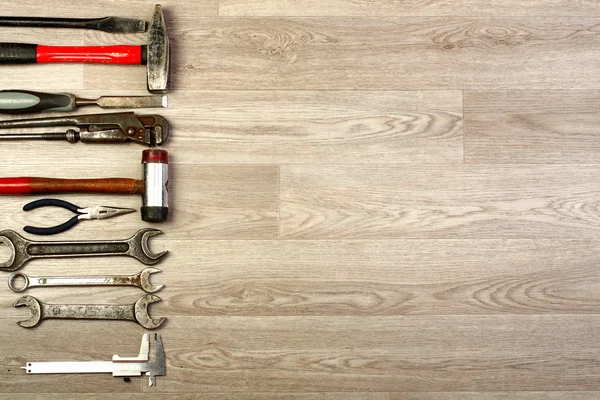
[(119, 366)]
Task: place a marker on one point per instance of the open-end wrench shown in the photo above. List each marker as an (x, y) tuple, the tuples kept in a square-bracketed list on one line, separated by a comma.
[(137, 312), (141, 280), (23, 250)]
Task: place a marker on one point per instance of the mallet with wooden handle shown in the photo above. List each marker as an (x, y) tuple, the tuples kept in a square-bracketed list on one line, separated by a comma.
[(152, 188)]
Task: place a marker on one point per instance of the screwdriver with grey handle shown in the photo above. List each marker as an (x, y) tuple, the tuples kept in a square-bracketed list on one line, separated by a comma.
[(26, 102)]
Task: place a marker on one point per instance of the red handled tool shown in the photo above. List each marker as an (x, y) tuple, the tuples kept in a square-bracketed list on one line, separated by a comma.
[(23, 53), (155, 55)]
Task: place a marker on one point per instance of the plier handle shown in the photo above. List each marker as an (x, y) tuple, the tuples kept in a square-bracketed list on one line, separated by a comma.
[(95, 212)]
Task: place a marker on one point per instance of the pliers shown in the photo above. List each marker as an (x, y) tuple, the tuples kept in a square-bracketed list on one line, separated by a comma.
[(95, 212)]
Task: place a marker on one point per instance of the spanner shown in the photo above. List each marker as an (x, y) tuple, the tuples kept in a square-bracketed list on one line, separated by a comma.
[(137, 312), (23, 250), (141, 280)]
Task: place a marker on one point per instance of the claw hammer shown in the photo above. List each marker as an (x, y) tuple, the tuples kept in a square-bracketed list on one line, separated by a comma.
[(153, 187)]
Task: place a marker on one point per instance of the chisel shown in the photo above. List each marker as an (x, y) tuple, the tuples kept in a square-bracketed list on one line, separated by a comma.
[(106, 24), (25, 102)]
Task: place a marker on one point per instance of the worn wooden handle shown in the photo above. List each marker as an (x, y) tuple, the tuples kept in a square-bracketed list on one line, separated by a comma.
[(28, 185)]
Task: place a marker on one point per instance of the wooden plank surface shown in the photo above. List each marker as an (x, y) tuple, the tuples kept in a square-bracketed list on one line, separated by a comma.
[(385, 8), (442, 201), (215, 396), (372, 53), (537, 127), (283, 127), (480, 353), (349, 278), (497, 396), (375, 200)]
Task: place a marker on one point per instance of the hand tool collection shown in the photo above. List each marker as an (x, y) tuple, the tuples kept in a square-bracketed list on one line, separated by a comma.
[(118, 127)]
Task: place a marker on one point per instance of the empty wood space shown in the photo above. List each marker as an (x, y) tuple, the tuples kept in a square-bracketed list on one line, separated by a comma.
[(370, 199)]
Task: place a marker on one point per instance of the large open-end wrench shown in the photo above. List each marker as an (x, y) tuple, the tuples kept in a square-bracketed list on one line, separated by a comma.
[(23, 250), (137, 312), (141, 280)]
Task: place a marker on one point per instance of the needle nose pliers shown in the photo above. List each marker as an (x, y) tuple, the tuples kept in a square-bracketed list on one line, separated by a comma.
[(95, 212)]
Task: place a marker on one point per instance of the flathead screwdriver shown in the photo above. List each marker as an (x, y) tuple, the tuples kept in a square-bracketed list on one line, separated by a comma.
[(25, 102)]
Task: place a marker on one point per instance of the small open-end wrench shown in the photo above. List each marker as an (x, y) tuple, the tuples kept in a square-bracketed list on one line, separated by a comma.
[(137, 312), (23, 250), (141, 280)]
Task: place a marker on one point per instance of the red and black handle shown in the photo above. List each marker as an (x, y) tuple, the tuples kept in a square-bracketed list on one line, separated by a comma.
[(25, 53)]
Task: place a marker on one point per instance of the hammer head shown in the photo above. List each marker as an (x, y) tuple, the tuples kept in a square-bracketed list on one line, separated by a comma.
[(155, 207), (158, 54)]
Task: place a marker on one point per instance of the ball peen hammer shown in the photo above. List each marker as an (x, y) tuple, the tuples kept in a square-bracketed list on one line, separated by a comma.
[(155, 55), (153, 187)]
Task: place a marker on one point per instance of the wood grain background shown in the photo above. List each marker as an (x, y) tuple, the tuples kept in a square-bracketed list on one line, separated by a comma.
[(371, 199)]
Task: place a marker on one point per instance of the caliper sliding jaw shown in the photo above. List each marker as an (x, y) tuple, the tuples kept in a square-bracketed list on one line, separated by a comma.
[(119, 366)]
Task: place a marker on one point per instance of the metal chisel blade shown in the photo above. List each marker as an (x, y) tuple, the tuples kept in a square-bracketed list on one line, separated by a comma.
[(106, 24), (128, 102), (122, 25)]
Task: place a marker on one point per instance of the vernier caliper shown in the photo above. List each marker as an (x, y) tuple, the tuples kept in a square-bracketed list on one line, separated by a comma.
[(119, 366)]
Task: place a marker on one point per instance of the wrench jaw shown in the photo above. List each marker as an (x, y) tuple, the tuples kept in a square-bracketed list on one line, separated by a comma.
[(139, 249), (145, 280), (17, 246), (35, 311), (141, 312)]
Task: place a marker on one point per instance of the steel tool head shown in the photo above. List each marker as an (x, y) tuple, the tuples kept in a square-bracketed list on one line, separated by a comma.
[(138, 247), (120, 25), (157, 366), (35, 311), (17, 245), (13, 277), (141, 312), (145, 280), (155, 205), (158, 54)]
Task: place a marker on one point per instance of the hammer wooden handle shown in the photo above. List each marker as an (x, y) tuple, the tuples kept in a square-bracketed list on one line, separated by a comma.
[(28, 185)]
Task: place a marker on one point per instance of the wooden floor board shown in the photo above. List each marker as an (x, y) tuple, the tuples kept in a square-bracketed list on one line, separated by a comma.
[(211, 396), (486, 353), (497, 396), (538, 127), (385, 8), (372, 54), (71, 341), (141, 9), (347, 278), (316, 127), (377, 202), (211, 202)]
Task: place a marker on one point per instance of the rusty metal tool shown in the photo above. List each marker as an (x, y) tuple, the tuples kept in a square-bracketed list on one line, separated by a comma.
[(106, 24), (22, 250), (155, 55), (153, 188), (149, 130), (136, 312), (140, 280), (88, 213), (119, 366), (26, 102)]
